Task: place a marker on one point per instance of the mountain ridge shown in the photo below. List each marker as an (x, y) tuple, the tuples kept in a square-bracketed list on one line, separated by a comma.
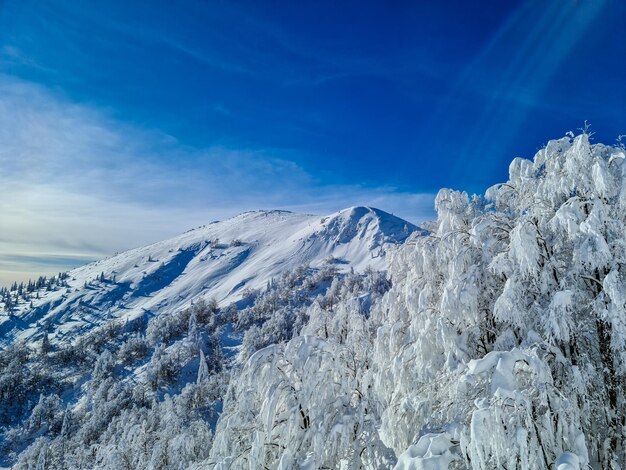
[(220, 260)]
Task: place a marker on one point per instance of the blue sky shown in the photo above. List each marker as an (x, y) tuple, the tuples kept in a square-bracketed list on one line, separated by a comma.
[(125, 122)]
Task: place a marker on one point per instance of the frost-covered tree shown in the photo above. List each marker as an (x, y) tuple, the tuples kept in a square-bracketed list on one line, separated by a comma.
[(500, 344), (203, 369), (502, 328), (307, 402), (299, 405)]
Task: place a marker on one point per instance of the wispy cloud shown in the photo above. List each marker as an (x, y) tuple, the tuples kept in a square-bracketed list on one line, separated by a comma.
[(76, 184), (240, 40)]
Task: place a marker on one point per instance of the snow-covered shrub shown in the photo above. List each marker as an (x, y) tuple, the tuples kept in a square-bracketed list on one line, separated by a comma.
[(133, 349), (296, 404)]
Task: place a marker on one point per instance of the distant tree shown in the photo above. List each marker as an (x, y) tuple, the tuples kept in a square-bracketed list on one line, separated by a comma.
[(203, 369), (45, 344)]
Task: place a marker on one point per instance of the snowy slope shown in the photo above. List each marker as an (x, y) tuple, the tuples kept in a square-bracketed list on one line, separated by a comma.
[(220, 260)]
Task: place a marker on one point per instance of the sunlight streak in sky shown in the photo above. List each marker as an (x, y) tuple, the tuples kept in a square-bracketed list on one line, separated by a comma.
[(510, 75)]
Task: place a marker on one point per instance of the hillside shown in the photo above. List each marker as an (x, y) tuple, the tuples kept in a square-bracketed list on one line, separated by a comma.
[(144, 316), (221, 261)]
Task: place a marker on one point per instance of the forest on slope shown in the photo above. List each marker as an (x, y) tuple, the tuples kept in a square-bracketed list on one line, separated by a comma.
[(501, 343)]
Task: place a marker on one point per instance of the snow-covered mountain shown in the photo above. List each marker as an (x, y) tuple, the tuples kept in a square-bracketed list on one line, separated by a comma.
[(221, 260), (496, 340), (219, 290)]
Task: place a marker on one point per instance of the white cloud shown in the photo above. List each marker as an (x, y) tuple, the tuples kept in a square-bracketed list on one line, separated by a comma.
[(76, 184)]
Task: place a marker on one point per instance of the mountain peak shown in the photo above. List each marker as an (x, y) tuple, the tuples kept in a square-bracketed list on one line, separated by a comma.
[(363, 221)]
